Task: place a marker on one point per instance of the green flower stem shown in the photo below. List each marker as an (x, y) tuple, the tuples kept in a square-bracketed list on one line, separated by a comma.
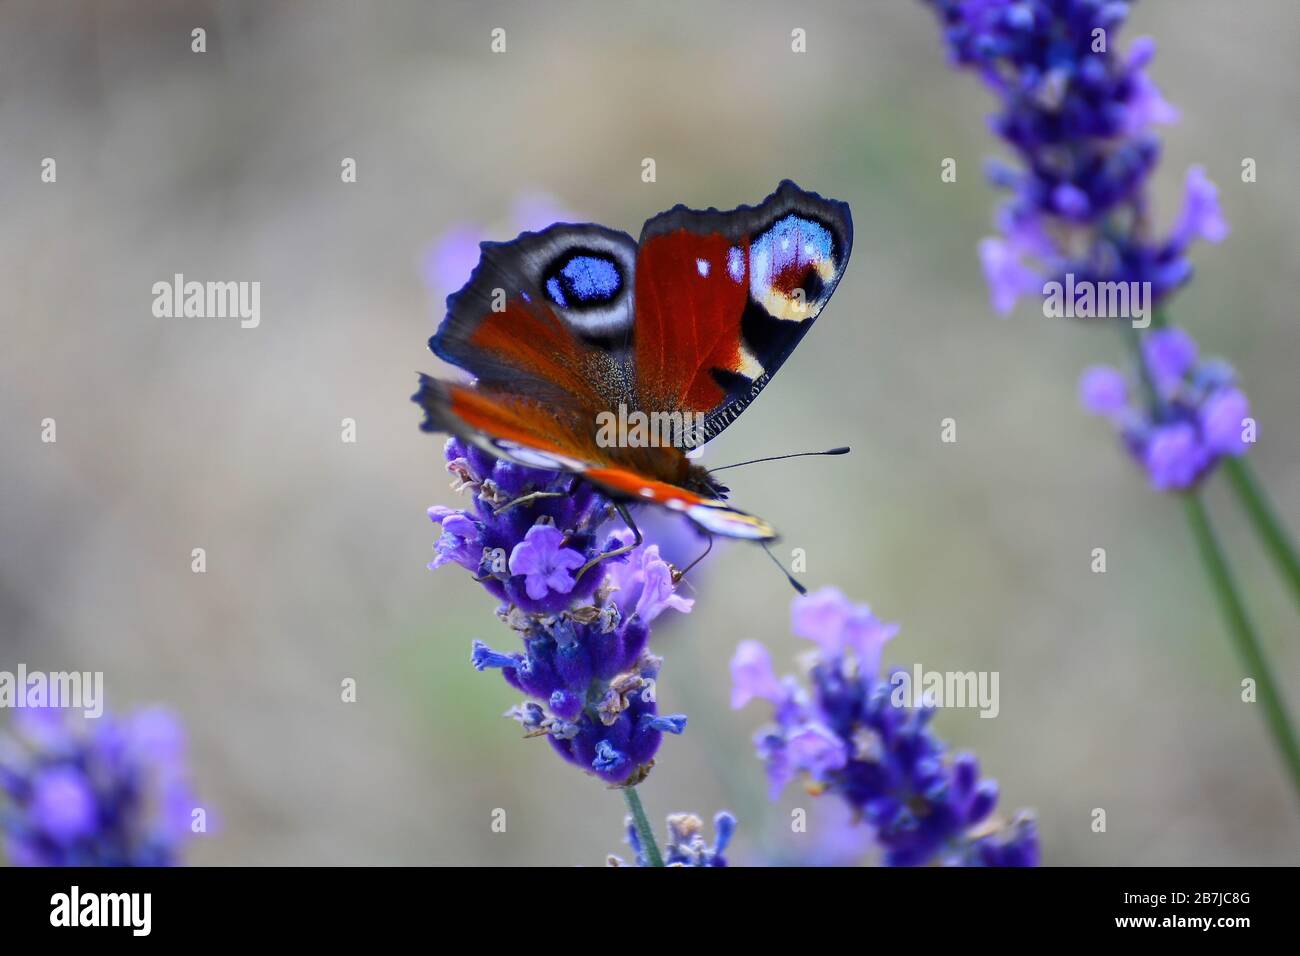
[(1243, 636), (1134, 342), (643, 829), (1270, 530)]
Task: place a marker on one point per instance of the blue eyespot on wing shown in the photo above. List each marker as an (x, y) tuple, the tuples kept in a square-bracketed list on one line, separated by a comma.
[(548, 315)]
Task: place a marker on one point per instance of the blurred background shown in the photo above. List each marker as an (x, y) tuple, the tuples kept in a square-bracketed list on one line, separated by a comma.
[(1118, 690)]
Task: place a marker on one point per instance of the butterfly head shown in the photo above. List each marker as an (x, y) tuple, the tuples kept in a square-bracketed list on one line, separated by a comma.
[(700, 481)]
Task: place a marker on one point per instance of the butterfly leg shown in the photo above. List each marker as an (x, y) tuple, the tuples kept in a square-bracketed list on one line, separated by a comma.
[(678, 575), (636, 542), (533, 496)]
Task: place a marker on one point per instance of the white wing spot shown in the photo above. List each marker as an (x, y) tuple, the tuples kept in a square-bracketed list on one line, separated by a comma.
[(736, 263)]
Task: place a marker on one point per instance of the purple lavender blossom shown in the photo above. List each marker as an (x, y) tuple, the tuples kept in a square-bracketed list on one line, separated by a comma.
[(1169, 354), (1174, 457), (847, 737), (1221, 418), (584, 666), (644, 585), (1078, 114), (1103, 391), (544, 562), (459, 542), (752, 675), (836, 625), (1007, 276), (1201, 217), (76, 791), (686, 845), (1188, 418)]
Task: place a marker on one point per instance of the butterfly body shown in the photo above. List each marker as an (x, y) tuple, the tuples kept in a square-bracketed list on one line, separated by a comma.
[(564, 328)]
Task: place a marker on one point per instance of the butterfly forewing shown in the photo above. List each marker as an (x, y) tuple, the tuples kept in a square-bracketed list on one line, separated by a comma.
[(723, 298)]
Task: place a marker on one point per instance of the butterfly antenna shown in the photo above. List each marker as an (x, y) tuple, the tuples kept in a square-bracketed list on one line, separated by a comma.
[(788, 576), (843, 450)]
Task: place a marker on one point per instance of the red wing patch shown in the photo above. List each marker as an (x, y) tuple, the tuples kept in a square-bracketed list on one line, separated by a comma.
[(723, 298), (688, 311), (530, 338)]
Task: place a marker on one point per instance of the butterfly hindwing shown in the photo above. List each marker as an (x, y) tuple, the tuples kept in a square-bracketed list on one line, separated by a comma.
[(526, 431), (535, 435), (723, 298), (543, 435)]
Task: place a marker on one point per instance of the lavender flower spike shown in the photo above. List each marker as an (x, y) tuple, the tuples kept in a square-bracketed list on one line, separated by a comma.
[(847, 737), (686, 845), (109, 791), (584, 664), (1079, 115), (1191, 417)]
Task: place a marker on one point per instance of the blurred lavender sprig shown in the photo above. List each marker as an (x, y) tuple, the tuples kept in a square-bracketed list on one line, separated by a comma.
[(1079, 117), (847, 736), (585, 665), (686, 844), (109, 791), (1190, 415)]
